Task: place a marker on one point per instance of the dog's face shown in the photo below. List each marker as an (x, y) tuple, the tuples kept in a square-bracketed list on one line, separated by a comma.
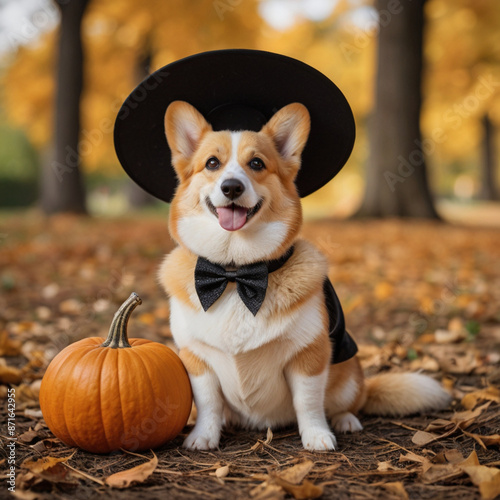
[(236, 201)]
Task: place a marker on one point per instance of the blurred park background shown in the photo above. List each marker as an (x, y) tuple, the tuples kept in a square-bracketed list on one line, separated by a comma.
[(422, 78)]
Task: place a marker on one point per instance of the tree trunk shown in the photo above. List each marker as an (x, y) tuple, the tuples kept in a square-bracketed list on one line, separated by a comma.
[(62, 188), (396, 181), (489, 190)]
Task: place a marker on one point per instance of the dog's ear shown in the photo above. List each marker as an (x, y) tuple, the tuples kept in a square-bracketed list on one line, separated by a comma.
[(289, 128), (184, 128)]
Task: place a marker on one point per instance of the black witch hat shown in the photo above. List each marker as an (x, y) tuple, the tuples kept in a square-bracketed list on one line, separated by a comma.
[(234, 89)]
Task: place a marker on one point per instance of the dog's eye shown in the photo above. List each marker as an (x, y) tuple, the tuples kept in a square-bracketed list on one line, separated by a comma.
[(212, 163), (256, 164)]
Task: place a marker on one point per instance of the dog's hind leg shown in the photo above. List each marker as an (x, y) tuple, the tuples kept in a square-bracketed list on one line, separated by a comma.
[(307, 376), (345, 395)]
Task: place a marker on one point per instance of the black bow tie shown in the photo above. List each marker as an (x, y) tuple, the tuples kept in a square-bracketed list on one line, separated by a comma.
[(251, 281)]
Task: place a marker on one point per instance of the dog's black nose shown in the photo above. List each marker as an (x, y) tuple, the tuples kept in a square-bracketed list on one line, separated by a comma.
[(232, 188)]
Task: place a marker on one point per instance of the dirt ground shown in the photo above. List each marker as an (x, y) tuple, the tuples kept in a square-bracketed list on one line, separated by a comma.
[(416, 295)]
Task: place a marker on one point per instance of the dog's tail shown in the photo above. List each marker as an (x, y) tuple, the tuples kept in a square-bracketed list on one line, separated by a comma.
[(399, 394)]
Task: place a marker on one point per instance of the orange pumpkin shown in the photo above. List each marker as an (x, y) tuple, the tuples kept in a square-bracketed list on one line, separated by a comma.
[(103, 395)]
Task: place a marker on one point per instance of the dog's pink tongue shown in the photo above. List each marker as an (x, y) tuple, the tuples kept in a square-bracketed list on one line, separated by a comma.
[(232, 218)]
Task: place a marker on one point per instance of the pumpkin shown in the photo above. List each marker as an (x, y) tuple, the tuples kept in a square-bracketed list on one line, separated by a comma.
[(105, 394)]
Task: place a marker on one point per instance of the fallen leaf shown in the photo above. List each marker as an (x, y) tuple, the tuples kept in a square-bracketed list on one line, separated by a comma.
[(300, 492), (427, 338), (491, 393), (267, 491), (396, 489), (468, 417), (471, 460), (448, 383), (8, 346), (486, 478), (440, 425), (385, 466), (485, 441), (290, 480), (43, 312), (449, 337), (28, 412), (437, 429), (456, 358), (445, 470), (421, 438), (441, 428), (456, 325), (297, 473), (440, 472), (28, 436), (426, 363), (138, 474), (27, 394), (71, 306), (50, 468), (222, 472), (39, 446), (413, 457), (454, 456), (10, 374)]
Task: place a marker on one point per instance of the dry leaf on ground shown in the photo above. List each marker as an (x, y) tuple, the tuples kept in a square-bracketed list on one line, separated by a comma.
[(10, 374), (302, 491), (396, 490), (486, 478), (94, 262), (8, 346), (470, 400), (291, 481), (138, 474), (50, 468), (222, 472), (297, 473)]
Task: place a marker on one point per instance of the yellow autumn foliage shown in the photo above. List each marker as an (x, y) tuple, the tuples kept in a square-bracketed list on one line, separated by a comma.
[(461, 79)]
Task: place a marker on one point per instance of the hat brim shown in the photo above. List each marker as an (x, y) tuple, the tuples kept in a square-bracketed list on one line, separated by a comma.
[(260, 80)]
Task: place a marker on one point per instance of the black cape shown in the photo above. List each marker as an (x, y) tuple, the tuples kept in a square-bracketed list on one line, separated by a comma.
[(344, 347)]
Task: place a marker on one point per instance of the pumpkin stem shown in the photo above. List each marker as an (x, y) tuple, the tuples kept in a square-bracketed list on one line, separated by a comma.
[(117, 336)]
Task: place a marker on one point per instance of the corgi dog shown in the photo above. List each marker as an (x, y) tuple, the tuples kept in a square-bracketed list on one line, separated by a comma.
[(265, 361)]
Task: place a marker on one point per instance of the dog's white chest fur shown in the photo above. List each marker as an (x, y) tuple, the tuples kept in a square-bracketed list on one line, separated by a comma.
[(248, 353)]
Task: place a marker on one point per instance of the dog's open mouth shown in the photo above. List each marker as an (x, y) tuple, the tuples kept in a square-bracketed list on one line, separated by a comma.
[(233, 217)]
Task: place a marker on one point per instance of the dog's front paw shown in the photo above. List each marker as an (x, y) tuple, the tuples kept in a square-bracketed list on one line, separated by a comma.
[(318, 439), (198, 441)]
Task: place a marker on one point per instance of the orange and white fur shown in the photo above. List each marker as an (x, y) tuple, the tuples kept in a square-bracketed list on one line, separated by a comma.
[(274, 368)]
